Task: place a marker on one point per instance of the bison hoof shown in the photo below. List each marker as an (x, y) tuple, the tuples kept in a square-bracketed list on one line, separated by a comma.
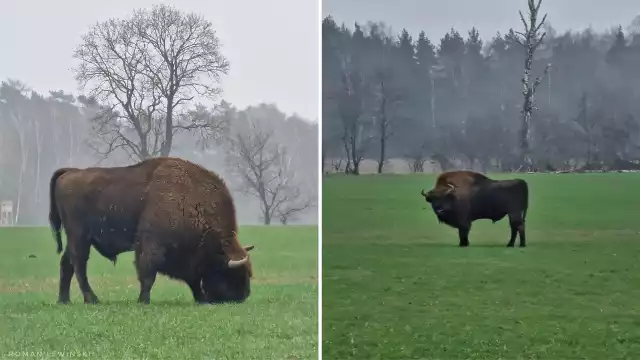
[(509, 245), (63, 301), (523, 245), (464, 245), (93, 300)]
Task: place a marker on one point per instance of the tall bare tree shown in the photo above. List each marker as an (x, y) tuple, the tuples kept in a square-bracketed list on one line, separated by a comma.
[(265, 170), (530, 39), (355, 137), (146, 70)]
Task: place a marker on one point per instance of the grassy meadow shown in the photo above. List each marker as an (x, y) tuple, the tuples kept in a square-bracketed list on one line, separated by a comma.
[(278, 321), (397, 286)]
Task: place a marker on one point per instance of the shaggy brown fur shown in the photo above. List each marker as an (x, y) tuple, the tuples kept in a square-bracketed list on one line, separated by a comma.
[(461, 197), (178, 217)]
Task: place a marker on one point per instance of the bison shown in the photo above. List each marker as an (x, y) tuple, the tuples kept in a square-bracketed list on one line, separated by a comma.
[(461, 197), (177, 217)]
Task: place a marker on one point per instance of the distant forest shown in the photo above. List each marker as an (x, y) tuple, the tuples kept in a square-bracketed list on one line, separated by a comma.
[(40, 133), (456, 102)]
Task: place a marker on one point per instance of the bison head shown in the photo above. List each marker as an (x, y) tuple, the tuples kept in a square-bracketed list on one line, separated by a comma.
[(229, 281), (442, 199)]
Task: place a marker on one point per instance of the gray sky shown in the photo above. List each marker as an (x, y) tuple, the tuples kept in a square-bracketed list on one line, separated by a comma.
[(38, 38), (436, 17)]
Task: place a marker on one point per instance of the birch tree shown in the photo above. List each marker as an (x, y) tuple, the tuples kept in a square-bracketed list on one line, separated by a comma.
[(530, 40)]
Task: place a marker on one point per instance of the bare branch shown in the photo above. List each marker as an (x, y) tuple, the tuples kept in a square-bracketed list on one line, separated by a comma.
[(264, 167)]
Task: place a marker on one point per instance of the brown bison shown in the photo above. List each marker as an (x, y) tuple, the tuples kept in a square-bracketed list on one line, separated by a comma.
[(177, 217), (461, 197)]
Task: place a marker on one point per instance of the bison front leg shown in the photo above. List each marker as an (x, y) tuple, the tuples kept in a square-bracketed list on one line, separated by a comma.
[(147, 260), (463, 235), (66, 274), (147, 273), (196, 290), (146, 278)]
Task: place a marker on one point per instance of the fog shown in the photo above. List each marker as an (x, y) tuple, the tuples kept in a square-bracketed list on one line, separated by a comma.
[(244, 99), (412, 86)]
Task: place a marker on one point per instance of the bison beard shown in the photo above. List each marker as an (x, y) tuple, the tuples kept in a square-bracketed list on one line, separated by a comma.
[(461, 197), (177, 217)]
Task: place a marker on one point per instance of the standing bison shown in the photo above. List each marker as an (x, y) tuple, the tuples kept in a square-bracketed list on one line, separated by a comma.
[(461, 197), (177, 217)]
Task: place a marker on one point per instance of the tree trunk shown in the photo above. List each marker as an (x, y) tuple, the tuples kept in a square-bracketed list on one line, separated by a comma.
[(38, 154), (383, 134), (355, 159), (355, 169), (165, 149), (530, 43), (70, 158), (527, 108)]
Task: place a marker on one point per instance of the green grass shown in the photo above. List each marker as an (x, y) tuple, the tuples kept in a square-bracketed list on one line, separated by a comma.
[(278, 321), (396, 285)]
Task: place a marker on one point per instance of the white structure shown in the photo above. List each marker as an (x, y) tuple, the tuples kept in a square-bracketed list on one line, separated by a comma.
[(6, 213)]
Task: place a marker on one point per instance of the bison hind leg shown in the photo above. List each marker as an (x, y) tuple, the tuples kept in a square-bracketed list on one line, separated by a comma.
[(516, 223), (66, 274)]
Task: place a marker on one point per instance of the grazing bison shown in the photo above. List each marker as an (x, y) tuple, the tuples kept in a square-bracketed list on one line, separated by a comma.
[(177, 217), (461, 197)]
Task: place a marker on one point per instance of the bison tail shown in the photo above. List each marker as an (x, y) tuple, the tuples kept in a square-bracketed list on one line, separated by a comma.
[(54, 216)]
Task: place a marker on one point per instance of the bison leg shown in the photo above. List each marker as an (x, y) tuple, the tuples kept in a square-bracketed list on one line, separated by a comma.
[(66, 274), (79, 258), (517, 227), (147, 278), (147, 271), (514, 231), (463, 235), (196, 290), (523, 241)]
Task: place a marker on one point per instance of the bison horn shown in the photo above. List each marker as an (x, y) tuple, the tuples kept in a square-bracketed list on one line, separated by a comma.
[(249, 248), (423, 193), (237, 263)]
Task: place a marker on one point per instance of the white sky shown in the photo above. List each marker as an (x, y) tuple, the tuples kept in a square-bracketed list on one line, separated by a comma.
[(272, 45)]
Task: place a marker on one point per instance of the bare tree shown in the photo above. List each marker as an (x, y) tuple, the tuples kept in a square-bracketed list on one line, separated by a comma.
[(265, 171), (336, 164), (417, 157), (388, 100), (355, 137), (530, 39), (146, 70)]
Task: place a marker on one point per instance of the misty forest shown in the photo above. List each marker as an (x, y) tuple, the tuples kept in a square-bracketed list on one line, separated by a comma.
[(528, 99), (151, 87)]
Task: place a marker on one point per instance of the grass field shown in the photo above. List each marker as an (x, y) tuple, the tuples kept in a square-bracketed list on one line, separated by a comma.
[(278, 321), (396, 285)]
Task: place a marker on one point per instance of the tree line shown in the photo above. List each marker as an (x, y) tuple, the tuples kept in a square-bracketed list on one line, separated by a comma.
[(457, 101), (39, 134), (150, 87)]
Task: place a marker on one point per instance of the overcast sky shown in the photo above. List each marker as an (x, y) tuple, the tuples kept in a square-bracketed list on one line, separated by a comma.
[(436, 17), (272, 45)]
